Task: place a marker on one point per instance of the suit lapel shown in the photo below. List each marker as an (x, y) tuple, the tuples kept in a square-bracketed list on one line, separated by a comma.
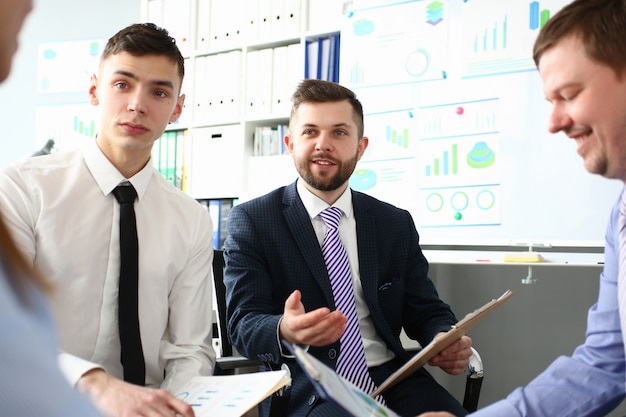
[(369, 266), (366, 242), (302, 231)]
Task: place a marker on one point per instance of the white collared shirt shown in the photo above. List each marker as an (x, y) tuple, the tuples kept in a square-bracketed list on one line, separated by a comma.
[(66, 220), (376, 351)]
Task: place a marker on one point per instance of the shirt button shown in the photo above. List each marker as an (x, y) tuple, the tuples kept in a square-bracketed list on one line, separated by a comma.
[(312, 399), (332, 354)]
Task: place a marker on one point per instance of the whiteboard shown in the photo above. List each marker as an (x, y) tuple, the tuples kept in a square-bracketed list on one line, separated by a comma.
[(457, 124)]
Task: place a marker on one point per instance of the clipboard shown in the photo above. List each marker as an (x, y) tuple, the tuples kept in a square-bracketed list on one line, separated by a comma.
[(443, 341), (336, 389)]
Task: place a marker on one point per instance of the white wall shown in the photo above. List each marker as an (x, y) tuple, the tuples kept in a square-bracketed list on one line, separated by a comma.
[(58, 20)]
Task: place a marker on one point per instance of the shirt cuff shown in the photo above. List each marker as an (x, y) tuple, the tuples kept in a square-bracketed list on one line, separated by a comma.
[(73, 367), (497, 409), (280, 343)]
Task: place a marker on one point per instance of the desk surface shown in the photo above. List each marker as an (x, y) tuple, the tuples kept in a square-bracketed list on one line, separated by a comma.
[(487, 257)]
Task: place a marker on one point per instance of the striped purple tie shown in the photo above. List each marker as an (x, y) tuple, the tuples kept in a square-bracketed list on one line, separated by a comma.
[(351, 363)]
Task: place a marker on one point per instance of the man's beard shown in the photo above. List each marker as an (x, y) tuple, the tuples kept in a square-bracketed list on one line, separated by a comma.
[(327, 182)]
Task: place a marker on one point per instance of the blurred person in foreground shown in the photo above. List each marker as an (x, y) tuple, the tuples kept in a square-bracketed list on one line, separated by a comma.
[(31, 383)]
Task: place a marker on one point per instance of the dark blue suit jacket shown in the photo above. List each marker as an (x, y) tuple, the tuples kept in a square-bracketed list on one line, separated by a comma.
[(272, 250)]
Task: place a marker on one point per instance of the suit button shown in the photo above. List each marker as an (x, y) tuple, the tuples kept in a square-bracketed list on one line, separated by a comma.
[(312, 400), (332, 354)]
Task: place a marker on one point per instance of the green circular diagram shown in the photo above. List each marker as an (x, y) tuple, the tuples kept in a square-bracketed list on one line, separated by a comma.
[(434, 202)]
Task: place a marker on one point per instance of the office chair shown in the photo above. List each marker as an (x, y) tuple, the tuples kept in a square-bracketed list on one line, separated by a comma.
[(227, 363), (229, 360), (46, 150), (473, 383)]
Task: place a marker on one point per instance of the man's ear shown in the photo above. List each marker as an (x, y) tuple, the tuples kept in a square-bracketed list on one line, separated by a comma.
[(288, 143), (178, 109), (93, 90), (363, 142)]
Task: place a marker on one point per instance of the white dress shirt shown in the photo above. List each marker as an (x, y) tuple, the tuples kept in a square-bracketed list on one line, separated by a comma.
[(66, 220), (376, 351)]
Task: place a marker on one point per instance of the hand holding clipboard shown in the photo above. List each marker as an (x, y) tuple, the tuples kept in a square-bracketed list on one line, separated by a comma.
[(443, 341)]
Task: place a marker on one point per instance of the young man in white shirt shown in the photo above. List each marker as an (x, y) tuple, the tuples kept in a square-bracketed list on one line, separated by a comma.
[(64, 217)]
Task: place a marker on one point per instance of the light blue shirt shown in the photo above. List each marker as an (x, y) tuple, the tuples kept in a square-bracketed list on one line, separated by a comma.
[(31, 383), (592, 381)]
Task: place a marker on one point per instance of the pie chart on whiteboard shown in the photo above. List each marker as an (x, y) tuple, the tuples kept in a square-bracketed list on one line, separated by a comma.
[(417, 62), (363, 179)]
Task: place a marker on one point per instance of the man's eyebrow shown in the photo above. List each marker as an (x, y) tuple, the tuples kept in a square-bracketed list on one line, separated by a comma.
[(163, 83), (342, 124)]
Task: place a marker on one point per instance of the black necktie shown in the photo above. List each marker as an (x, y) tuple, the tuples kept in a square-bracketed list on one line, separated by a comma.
[(128, 315)]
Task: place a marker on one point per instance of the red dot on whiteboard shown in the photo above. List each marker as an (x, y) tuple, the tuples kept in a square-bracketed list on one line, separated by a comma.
[(459, 110)]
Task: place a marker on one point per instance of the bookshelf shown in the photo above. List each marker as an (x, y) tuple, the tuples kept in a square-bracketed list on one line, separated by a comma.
[(243, 60)]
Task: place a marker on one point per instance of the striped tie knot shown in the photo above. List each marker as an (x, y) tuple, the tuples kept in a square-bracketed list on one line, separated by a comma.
[(331, 217)]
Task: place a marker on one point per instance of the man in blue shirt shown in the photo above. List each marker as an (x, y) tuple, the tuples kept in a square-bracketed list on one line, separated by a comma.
[(581, 57)]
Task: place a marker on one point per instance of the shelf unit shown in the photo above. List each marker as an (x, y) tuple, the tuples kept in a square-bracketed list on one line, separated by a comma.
[(243, 60)]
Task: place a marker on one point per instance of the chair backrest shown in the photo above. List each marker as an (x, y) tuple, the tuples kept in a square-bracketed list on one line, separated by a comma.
[(220, 298)]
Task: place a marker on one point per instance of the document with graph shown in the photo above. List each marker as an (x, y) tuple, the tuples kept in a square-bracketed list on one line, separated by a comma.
[(231, 395), (336, 389)]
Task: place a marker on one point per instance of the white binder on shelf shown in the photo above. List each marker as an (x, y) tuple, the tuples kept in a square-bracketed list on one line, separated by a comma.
[(177, 19), (266, 67), (280, 95), (277, 24), (292, 16), (230, 99), (252, 85), (227, 19), (203, 17), (325, 59), (218, 24), (263, 89), (236, 22), (214, 87), (295, 69), (265, 20), (251, 21), (200, 104)]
